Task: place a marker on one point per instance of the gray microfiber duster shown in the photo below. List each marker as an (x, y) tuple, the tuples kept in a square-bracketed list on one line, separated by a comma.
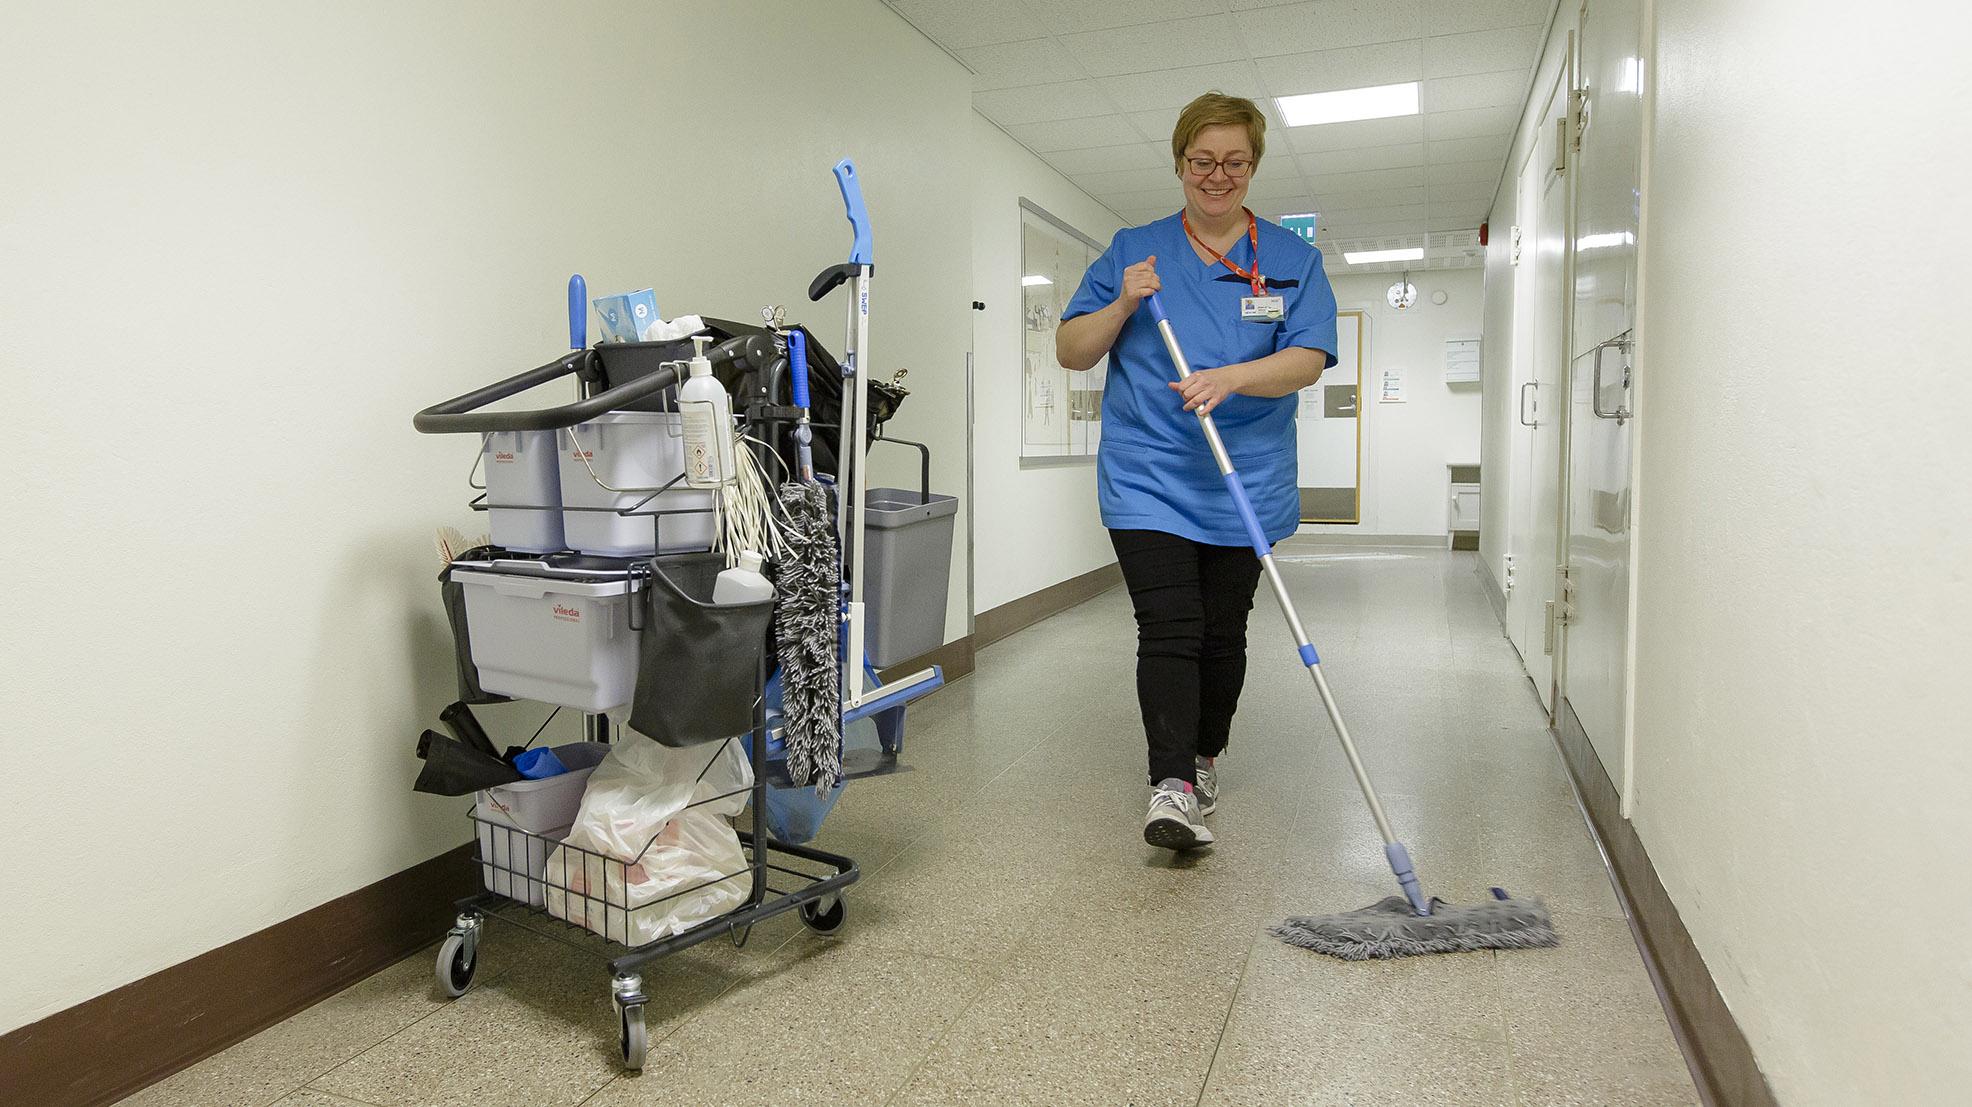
[(809, 580), (1390, 928)]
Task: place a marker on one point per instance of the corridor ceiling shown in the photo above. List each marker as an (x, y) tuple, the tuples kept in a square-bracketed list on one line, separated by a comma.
[(1094, 86)]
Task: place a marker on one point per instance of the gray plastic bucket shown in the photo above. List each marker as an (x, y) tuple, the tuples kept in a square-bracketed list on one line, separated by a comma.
[(907, 571)]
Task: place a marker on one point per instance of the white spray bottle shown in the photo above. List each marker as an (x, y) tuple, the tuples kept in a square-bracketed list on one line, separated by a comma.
[(708, 417)]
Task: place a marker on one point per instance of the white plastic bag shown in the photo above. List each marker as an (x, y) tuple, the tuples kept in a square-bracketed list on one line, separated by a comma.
[(695, 861), (644, 844)]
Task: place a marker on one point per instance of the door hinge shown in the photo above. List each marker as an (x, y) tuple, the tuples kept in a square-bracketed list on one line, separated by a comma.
[(1578, 114), (1564, 594)]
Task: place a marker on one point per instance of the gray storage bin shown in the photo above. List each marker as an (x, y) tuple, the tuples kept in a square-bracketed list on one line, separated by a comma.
[(907, 571)]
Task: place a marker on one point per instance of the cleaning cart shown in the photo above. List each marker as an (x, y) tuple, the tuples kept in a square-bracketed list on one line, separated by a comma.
[(595, 593)]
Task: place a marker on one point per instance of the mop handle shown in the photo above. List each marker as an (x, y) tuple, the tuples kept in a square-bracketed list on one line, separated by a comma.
[(1393, 850), (578, 312)]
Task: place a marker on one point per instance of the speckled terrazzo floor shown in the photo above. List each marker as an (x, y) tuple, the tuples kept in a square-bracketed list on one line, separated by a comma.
[(1014, 941)]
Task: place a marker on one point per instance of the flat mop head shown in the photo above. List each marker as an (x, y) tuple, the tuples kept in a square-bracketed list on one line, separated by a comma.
[(1390, 928)]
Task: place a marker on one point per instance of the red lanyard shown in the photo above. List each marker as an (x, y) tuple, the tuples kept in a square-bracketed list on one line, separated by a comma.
[(1252, 235)]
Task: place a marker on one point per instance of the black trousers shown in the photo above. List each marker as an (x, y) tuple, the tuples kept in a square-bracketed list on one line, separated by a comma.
[(1191, 601)]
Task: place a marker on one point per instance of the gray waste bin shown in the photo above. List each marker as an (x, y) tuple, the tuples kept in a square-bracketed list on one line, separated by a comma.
[(907, 571)]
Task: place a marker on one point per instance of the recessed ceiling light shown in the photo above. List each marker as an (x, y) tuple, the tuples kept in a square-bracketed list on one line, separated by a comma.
[(1371, 257), (1346, 105), (1032, 279)]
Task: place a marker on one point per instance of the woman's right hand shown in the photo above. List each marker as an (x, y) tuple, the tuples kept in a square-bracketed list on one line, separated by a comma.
[(1139, 281)]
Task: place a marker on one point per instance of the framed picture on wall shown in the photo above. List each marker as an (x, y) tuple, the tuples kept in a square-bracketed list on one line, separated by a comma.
[(1329, 430), (1061, 411)]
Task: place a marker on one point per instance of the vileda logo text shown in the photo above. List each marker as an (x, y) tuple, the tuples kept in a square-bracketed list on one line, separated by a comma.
[(502, 455), (568, 614)]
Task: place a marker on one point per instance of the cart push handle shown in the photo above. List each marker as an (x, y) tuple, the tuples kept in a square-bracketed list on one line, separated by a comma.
[(461, 414), (861, 255)]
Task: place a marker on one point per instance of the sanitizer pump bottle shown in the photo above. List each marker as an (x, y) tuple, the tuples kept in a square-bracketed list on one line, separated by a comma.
[(708, 417), (743, 583)]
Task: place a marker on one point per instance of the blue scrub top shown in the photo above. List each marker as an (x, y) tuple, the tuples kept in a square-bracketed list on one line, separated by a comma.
[(1154, 470)]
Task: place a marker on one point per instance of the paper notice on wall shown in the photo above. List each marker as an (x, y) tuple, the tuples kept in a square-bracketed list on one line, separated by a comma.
[(1392, 390), (1461, 361)]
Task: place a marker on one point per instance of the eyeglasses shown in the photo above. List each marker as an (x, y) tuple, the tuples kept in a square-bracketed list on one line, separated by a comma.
[(1234, 167)]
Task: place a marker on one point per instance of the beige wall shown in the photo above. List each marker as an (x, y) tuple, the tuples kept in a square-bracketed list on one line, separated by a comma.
[(1803, 768), (1038, 525), (244, 243)]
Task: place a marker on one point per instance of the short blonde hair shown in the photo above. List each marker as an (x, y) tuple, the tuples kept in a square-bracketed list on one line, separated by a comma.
[(1216, 109)]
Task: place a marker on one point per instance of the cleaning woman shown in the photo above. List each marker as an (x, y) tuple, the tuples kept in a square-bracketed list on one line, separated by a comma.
[(1258, 318)]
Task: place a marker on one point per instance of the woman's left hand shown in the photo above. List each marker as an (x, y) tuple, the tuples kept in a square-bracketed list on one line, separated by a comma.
[(1205, 388)]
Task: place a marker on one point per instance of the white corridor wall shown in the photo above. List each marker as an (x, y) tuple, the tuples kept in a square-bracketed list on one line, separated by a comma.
[(1406, 490), (244, 243), (1037, 525), (1803, 774)]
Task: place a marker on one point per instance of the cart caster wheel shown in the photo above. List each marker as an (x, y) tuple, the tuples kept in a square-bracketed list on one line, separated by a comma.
[(458, 959), (824, 916), (630, 1041)]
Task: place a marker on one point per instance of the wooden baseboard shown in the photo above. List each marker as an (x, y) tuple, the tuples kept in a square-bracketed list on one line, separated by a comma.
[(103, 1049), (1721, 1059), (956, 658), (991, 626)]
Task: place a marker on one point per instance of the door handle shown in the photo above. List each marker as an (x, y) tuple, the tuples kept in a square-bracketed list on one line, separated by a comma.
[(1622, 412), (1523, 404)]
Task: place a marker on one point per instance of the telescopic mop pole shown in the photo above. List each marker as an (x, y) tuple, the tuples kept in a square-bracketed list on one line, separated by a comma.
[(1393, 850), (855, 422)]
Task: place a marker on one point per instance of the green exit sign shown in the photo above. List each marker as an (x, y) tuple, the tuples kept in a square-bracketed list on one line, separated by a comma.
[(1302, 225)]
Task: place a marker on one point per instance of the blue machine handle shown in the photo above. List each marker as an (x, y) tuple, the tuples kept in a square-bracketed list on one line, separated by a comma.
[(578, 312), (859, 216), (797, 360), (1157, 308)]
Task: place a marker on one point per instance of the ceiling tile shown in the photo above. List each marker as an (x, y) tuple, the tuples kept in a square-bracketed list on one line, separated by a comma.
[(1363, 132), (1471, 123), (972, 23), (1108, 159), (1170, 199), (1457, 196), (1414, 213), (1466, 149), (1332, 200), (1097, 15), (1458, 172), (1403, 177), (1174, 88), (1329, 25), (1071, 134), (1360, 229), (1156, 126), (1383, 63), (1477, 90), (1156, 47), (1362, 160), (1128, 180), (1251, 5), (1033, 62), (1266, 186), (1445, 17), (1039, 103), (1457, 221), (1481, 52)]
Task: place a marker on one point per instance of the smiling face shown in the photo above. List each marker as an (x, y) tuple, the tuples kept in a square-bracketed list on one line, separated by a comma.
[(1217, 194)]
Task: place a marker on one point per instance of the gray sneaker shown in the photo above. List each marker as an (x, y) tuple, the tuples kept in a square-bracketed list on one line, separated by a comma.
[(1207, 788), (1173, 819)]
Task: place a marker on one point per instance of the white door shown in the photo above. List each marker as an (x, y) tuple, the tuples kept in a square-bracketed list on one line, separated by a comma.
[(1606, 171), (1329, 431), (1536, 530), (1522, 590)]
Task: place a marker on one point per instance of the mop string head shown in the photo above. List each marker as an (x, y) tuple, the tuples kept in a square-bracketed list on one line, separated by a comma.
[(1391, 927)]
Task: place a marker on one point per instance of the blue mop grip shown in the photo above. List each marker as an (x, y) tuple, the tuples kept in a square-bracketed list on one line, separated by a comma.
[(1254, 534), (1156, 308), (1400, 863), (797, 361), (859, 216), (578, 312)]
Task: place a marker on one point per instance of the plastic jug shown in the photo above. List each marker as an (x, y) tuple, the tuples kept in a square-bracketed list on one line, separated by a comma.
[(708, 416), (743, 583)]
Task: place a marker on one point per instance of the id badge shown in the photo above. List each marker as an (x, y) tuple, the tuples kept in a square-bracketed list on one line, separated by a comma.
[(1262, 309)]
